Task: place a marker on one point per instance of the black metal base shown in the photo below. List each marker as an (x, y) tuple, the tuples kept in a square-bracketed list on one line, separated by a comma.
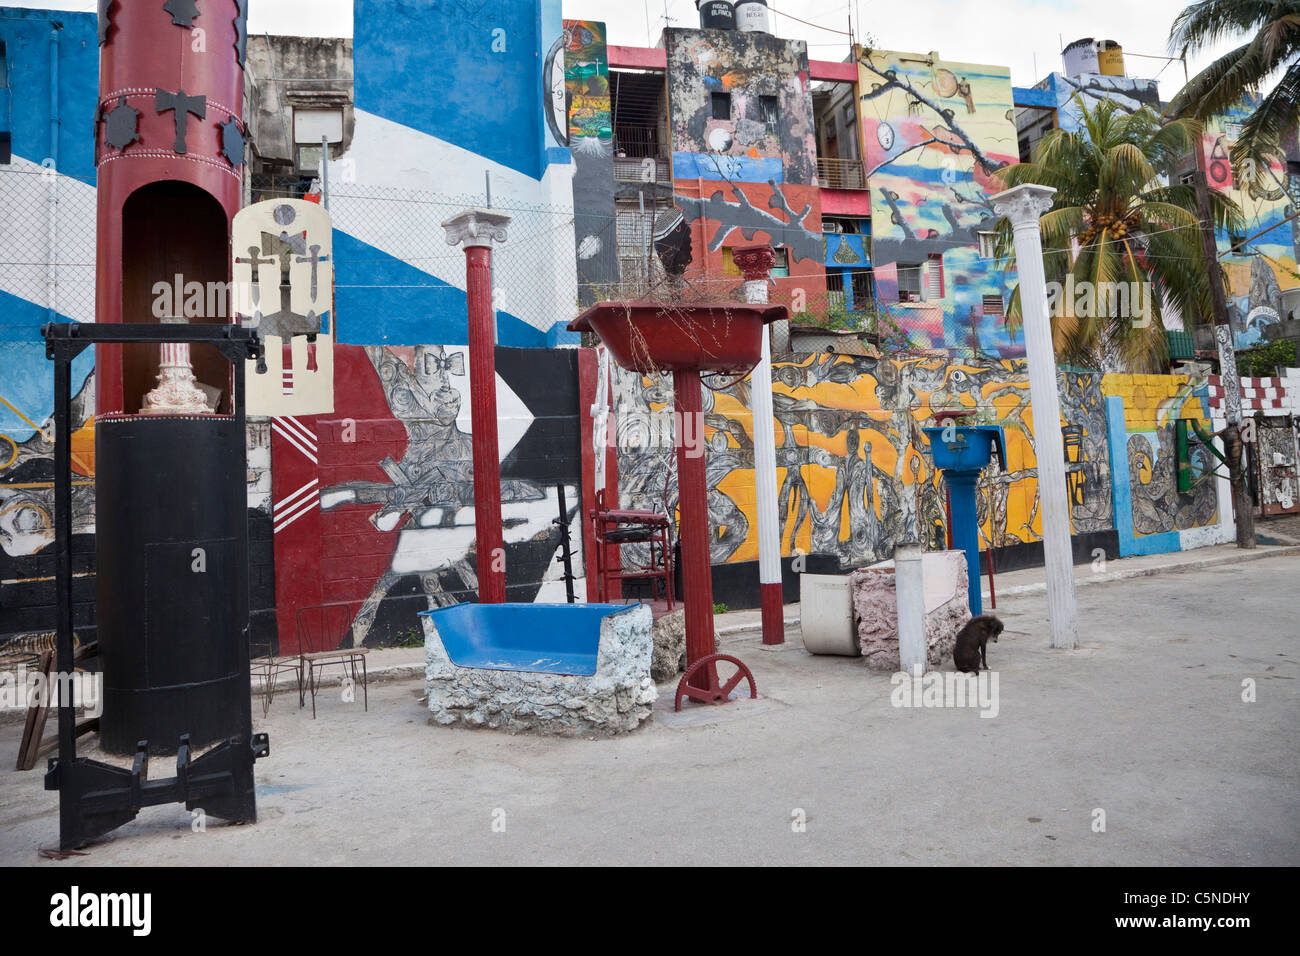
[(96, 798)]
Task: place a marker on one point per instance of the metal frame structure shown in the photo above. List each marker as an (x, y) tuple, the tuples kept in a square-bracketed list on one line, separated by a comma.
[(95, 797)]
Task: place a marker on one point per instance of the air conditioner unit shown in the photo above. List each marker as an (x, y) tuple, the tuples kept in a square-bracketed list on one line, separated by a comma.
[(832, 227)]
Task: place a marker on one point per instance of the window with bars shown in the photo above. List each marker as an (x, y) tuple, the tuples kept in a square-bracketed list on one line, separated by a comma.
[(909, 282), (770, 109), (721, 104)]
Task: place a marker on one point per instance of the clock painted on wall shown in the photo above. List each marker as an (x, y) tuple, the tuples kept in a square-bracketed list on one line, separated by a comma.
[(556, 93), (885, 136)]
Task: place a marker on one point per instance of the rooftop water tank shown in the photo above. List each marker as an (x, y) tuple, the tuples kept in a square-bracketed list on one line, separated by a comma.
[(1080, 57), (1110, 58), (752, 16), (716, 15)]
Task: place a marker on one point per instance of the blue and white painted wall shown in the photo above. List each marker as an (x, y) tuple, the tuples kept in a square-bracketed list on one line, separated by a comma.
[(49, 80), (447, 93)]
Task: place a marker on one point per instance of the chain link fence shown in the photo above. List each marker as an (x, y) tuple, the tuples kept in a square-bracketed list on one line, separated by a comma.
[(47, 252), (47, 241)]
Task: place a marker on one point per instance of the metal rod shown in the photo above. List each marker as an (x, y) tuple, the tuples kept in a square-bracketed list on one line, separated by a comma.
[(63, 585), (325, 172), (566, 553)]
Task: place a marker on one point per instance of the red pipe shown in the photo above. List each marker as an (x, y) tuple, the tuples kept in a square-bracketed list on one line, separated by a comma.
[(693, 529), (483, 420)]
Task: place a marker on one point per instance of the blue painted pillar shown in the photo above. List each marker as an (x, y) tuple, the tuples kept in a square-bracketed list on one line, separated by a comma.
[(965, 529)]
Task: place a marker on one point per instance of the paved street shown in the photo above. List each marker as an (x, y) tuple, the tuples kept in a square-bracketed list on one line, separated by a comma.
[(1145, 722)]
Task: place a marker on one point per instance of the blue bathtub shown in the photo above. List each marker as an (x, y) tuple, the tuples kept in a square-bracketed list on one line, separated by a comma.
[(547, 638), (570, 669)]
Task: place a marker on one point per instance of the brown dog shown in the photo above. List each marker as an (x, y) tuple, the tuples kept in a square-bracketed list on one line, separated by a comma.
[(970, 650)]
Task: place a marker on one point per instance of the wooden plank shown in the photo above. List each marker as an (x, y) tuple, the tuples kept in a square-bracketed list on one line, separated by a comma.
[(34, 726)]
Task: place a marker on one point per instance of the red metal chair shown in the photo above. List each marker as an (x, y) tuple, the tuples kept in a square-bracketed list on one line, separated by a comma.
[(614, 528)]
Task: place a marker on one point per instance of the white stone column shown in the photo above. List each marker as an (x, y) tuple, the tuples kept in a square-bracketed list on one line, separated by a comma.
[(756, 262), (909, 589), (1023, 205)]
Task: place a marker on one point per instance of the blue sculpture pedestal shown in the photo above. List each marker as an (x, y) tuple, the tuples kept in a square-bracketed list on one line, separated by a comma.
[(961, 453)]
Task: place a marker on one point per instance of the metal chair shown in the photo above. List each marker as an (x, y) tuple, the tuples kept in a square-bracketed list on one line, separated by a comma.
[(620, 527), (321, 630)]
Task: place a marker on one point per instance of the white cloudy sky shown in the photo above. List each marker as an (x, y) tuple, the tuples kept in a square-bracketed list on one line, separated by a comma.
[(1023, 34)]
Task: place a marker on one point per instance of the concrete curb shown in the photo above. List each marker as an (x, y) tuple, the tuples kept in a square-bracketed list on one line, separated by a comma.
[(733, 629), (1040, 587), (288, 681), (1106, 577)]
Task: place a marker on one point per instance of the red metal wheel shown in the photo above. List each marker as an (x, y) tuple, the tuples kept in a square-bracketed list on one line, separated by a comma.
[(715, 690)]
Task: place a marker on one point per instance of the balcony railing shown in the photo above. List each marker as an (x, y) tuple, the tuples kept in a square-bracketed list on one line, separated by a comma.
[(841, 173), (638, 142)]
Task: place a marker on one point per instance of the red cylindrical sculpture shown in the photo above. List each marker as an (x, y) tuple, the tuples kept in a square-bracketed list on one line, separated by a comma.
[(170, 485), (483, 411), (169, 147)]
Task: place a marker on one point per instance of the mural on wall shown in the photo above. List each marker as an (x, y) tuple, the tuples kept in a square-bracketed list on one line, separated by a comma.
[(591, 138), (853, 468), (27, 506), (935, 133), (1152, 406), (374, 512), (1086, 90), (1265, 267), (744, 148)]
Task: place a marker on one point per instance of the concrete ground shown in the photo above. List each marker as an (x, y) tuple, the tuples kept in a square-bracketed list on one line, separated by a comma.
[(1145, 722)]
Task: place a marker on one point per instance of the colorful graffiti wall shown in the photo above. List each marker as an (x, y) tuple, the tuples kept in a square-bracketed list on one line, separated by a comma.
[(1266, 265), (591, 138), (374, 504), (853, 466), (424, 147), (935, 133), (1071, 93), (1151, 513), (744, 151)]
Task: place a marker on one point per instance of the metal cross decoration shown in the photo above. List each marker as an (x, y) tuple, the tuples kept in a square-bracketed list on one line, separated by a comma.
[(182, 105), (284, 282), (183, 11)]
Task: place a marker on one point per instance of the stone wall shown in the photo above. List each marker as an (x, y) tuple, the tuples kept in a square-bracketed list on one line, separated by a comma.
[(875, 609), (616, 699)]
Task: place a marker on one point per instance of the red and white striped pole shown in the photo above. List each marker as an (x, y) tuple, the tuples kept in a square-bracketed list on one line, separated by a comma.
[(756, 262), (477, 228)]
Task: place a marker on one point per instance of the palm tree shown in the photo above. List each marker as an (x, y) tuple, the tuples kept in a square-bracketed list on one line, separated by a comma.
[(1115, 219), (1273, 31)]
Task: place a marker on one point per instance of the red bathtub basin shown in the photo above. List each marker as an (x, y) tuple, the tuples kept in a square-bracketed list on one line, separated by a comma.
[(652, 337)]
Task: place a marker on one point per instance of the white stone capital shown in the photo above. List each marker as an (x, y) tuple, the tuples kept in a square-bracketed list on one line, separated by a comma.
[(1023, 204), (476, 227)]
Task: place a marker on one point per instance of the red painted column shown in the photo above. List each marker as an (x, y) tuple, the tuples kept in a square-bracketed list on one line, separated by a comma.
[(490, 545), (477, 228), (693, 528)]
